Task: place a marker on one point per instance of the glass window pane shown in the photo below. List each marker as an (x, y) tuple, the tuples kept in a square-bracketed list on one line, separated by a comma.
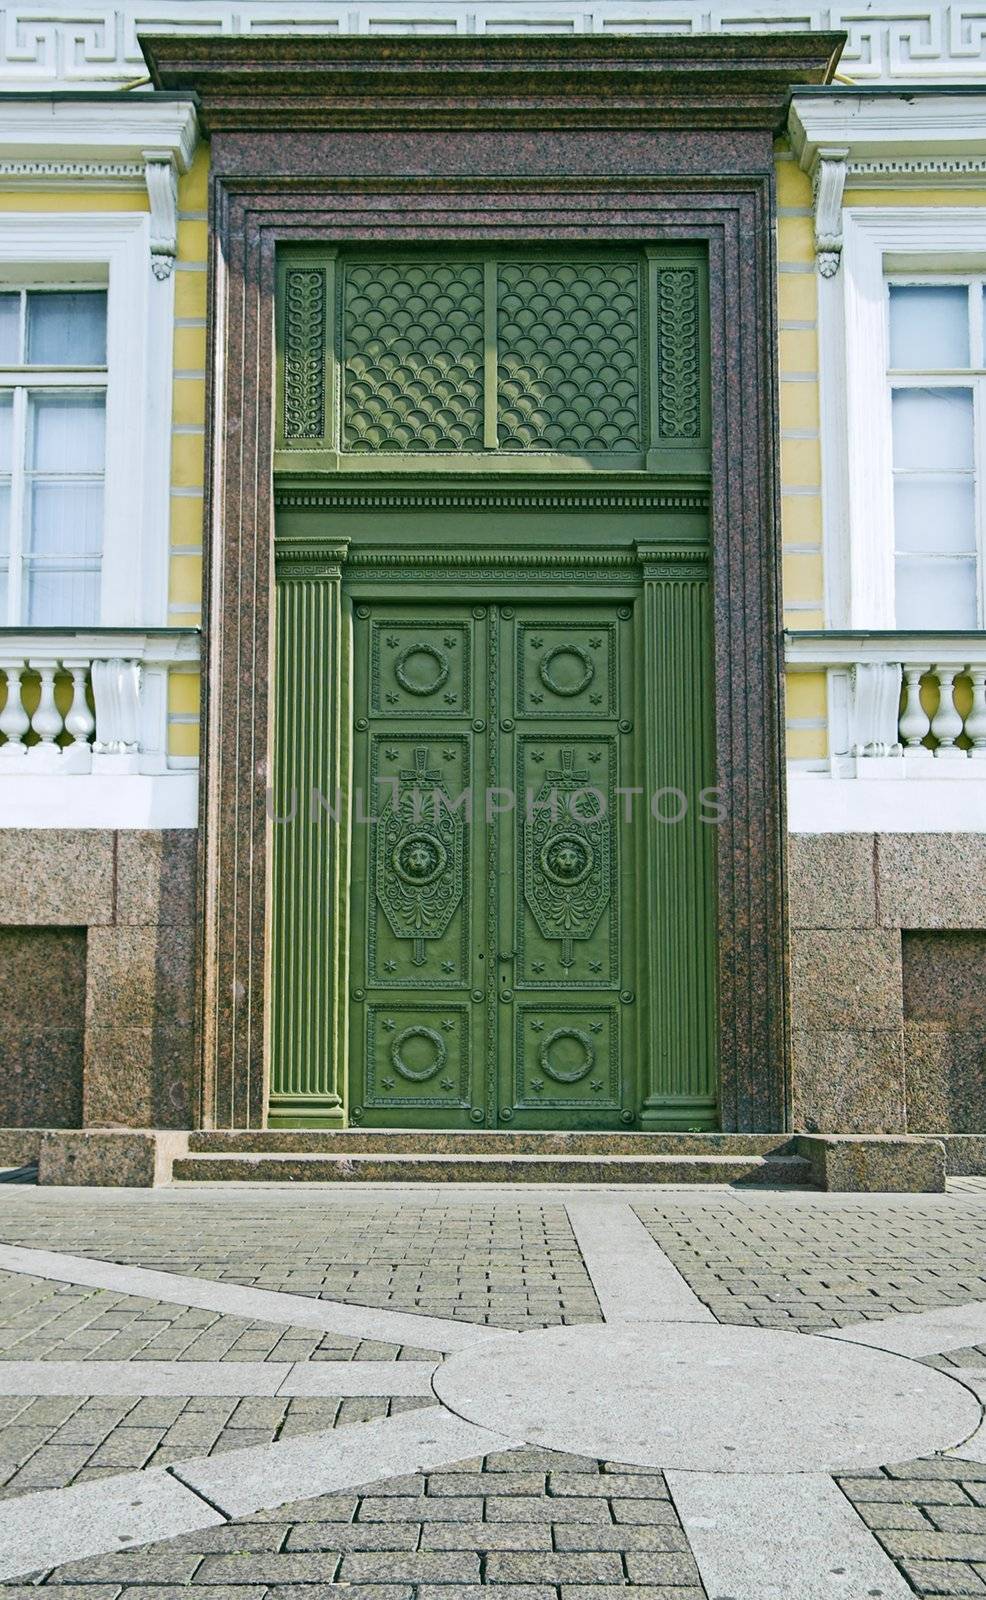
[(3, 596), (936, 594), (61, 599), (929, 326), (933, 429), (66, 519), (66, 432), (934, 514), (6, 425), (4, 527), (10, 329), (66, 329)]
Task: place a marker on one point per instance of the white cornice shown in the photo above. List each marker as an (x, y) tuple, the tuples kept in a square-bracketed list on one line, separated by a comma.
[(883, 142), (52, 143), (88, 132), (888, 127)]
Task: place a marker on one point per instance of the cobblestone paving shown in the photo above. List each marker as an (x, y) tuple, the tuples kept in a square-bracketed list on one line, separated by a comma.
[(515, 1265), (52, 1440), (533, 1524), (930, 1517), (45, 1321), (811, 1264)]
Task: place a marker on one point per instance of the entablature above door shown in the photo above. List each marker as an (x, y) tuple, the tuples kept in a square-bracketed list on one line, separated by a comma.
[(541, 359)]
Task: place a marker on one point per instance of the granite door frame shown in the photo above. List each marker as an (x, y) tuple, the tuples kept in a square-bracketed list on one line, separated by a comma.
[(733, 216)]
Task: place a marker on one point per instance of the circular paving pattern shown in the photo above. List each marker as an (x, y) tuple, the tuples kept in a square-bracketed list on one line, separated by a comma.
[(708, 1398)]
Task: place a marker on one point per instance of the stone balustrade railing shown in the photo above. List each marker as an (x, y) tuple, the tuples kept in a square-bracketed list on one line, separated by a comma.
[(94, 700), (900, 703)]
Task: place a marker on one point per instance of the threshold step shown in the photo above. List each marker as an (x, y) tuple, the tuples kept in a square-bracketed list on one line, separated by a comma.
[(425, 1141), (786, 1171)]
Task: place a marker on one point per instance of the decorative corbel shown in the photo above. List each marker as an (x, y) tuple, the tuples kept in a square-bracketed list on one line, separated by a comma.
[(828, 182), (162, 190)]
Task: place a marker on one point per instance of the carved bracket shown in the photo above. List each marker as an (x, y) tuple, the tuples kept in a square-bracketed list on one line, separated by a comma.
[(828, 183), (874, 709), (161, 176)]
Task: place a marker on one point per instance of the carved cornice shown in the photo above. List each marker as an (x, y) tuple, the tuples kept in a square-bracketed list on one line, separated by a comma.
[(894, 170), (721, 80), (677, 562), (491, 499), (63, 143)]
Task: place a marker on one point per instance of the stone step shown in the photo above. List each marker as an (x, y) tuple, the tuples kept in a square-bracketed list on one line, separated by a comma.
[(435, 1168), (423, 1141)]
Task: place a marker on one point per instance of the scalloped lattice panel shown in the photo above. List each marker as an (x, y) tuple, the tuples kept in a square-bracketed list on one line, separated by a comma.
[(413, 357), (569, 357)]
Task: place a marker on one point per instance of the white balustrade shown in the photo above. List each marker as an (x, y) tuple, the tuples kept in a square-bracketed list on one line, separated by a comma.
[(94, 701), (899, 703)]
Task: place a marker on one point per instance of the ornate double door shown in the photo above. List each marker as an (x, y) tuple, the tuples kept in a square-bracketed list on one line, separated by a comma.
[(494, 871)]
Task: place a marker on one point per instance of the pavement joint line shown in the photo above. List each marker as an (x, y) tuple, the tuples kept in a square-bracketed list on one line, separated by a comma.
[(261, 1477), (633, 1279), (240, 1379), (255, 1305), (920, 1333), (757, 1535)]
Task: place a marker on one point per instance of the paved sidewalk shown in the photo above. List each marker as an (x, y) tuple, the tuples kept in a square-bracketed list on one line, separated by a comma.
[(210, 1446)]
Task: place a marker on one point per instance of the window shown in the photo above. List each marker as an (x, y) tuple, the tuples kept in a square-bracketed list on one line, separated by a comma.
[(938, 407), (52, 454)]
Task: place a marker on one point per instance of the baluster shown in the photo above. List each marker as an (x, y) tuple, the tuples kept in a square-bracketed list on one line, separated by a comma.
[(80, 722), (915, 724), (47, 721), (946, 724), (975, 722), (14, 720)]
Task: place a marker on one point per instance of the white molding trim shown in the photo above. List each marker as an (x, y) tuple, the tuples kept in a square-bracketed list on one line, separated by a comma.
[(70, 45), (125, 800), (858, 532), (48, 144), (138, 396), (818, 803), (917, 128)]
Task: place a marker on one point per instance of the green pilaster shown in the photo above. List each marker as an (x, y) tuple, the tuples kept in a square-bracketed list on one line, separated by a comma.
[(311, 828), (680, 1054)]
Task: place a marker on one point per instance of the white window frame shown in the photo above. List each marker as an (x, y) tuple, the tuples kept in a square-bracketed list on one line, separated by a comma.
[(23, 383), (971, 377), (139, 324), (879, 244)]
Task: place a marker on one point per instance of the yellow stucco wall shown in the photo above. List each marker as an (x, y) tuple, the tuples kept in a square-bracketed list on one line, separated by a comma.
[(188, 445), (801, 457)]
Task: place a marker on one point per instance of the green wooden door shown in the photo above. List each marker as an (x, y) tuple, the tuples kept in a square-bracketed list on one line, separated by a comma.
[(494, 947), (493, 650)]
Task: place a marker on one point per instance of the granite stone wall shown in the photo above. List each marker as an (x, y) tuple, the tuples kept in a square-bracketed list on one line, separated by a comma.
[(888, 960), (97, 971)]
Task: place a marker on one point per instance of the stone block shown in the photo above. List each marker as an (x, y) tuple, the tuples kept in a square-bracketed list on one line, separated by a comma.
[(831, 880), (19, 1146), (155, 882), (862, 1164), (100, 1158), (138, 976), (848, 1080), (945, 1072), (944, 975), (139, 1076), (846, 978), (931, 880), (43, 980), (56, 877), (965, 1155)]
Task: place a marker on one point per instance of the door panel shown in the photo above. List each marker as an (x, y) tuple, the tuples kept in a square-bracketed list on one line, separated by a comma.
[(493, 955)]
